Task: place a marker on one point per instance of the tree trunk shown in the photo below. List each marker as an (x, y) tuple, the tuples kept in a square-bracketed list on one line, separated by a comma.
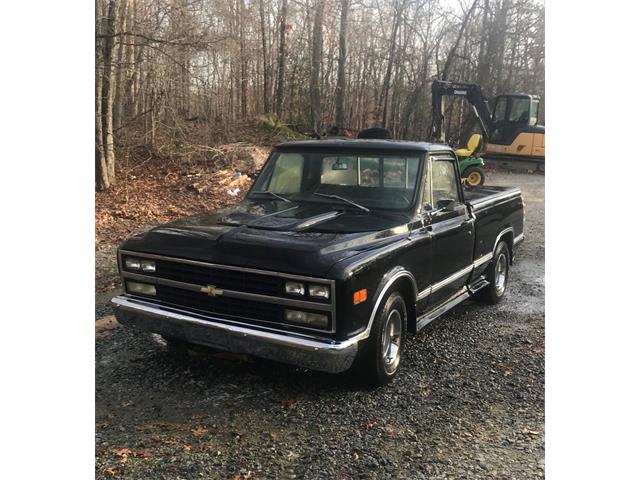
[(382, 103), (240, 13), (265, 64), (106, 176), (281, 58), (316, 63), (342, 59), (102, 180), (452, 52)]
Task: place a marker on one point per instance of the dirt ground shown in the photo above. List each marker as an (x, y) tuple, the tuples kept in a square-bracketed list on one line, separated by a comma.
[(468, 402)]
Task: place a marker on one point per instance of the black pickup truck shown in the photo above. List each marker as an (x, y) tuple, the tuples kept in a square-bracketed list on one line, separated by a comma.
[(340, 249)]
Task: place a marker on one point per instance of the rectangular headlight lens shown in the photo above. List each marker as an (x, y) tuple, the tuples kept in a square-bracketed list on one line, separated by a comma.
[(319, 291), (148, 266), (317, 320), (132, 263), (141, 288), (294, 288)]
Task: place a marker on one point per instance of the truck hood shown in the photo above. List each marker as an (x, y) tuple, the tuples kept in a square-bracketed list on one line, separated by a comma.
[(297, 238)]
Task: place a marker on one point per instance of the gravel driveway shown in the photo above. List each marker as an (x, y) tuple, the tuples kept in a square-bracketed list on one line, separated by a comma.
[(468, 402)]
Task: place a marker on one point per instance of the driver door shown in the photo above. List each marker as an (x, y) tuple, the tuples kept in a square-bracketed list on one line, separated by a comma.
[(452, 230)]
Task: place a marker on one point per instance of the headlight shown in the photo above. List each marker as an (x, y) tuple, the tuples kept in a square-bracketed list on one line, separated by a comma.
[(294, 288), (142, 288), (148, 266), (132, 263), (306, 318), (319, 291)]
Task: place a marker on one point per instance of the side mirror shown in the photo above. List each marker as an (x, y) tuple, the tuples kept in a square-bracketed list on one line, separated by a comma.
[(446, 204)]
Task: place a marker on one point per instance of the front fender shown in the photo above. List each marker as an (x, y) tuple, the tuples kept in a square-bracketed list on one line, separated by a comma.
[(397, 276)]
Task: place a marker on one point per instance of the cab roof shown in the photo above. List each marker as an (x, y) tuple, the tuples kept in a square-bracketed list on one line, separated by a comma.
[(364, 144)]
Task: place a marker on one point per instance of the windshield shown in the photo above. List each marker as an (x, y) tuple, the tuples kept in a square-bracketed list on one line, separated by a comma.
[(378, 181)]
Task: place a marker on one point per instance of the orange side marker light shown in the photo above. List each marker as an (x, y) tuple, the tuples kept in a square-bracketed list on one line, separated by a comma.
[(359, 296)]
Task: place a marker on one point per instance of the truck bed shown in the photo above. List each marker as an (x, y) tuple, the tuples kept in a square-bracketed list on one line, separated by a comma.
[(498, 215), (486, 194)]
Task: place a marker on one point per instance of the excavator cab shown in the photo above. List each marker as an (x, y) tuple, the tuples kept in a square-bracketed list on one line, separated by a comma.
[(512, 113), (515, 132)]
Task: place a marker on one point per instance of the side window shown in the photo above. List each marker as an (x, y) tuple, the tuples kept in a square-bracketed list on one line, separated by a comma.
[(535, 108), (519, 110), (500, 111), (444, 181)]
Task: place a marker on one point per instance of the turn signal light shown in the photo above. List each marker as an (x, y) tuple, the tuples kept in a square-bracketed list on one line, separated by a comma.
[(359, 296)]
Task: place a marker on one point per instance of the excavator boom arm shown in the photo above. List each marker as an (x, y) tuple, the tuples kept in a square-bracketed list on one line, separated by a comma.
[(473, 94)]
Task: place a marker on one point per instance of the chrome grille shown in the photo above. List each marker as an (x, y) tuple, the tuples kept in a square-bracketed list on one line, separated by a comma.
[(224, 279), (245, 294)]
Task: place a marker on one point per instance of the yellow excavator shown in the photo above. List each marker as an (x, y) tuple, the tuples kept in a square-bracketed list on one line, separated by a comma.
[(510, 132)]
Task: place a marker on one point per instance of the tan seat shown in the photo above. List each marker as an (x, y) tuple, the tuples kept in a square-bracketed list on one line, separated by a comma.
[(472, 145)]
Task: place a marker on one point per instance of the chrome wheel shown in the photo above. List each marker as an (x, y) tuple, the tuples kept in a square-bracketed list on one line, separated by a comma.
[(391, 340), (500, 274)]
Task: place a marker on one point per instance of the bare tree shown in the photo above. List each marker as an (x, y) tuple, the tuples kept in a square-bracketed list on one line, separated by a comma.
[(341, 85), (447, 66), (106, 162), (174, 73), (316, 65), (281, 59)]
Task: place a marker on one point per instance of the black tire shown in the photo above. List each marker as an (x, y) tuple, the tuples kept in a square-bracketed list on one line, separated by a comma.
[(474, 172), (370, 366), (375, 133), (498, 276), (176, 347)]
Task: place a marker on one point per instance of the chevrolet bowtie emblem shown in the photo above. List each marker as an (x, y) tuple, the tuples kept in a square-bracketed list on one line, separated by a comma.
[(212, 291)]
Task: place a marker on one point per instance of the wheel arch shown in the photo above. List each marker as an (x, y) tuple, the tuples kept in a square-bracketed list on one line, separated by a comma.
[(508, 237), (402, 280)]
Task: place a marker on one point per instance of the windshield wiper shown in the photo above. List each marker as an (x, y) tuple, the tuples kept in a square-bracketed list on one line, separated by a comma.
[(346, 200), (275, 195)]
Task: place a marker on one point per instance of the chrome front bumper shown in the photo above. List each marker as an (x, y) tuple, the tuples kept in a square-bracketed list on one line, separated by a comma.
[(296, 349)]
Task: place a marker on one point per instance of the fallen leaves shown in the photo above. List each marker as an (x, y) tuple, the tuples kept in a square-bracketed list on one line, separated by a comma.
[(123, 454), (291, 456), (153, 197), (290, 402), (105, 325), (175, 443), (162, 426), (109, 471), (142, 454), (505, 369), (425, 391), (199, 431)]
